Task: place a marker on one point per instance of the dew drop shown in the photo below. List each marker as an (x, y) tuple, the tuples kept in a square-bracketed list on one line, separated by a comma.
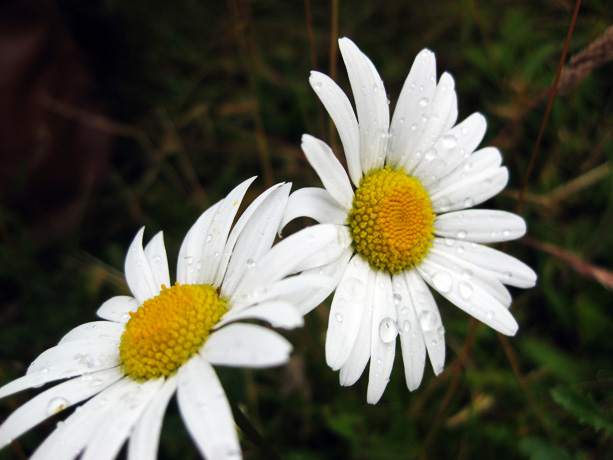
[(449, 141), (506, 233), (490, 314), (467, 274), (57, 405), (189, 260), (318, 85), (406, 326), (339, 317), (96, 383), (466, 290), (442, 282), (427, 320), (216, 254), (508, 276), (404, 311), (441, 330), (387, 330), (430, 155), (250, 263), (397, 299), (156, 257), (464, 131), (461, 234), (209, 237), (423, 101), (414, 127), (469, 202), (401, 120)]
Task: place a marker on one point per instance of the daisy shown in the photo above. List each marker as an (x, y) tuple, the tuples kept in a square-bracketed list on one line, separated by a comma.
[(166, 338), (406, 221)]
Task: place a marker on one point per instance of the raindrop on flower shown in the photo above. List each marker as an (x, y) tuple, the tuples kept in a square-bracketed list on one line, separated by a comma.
[(423, 101), (430, 155), (56, 405), (397, 299), (466, 290), (339, 317), (427, 320), (189, 260), (406, 326), (449, 141), (490, 314), (209, 237), (355, 289), (469, 202), (461, 234), (387, 330), (250, 263)]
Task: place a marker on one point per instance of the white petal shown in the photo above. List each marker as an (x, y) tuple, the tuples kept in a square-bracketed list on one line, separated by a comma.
[(371, 105), (480, 225), (74, 357), (276, 313), (480, 161), (217, 233), (470, 297), (348, 306), (118, 308), (144, 440), (411, 336), (155, 252), (333, 271), (471, 191), (107, 330), (339, 108), (192, 248), (316, 203), (450, 149), (360, 353), (383, 342), (238, 228), (54, 400), (286, 257), (138, 273), (446, 256), (328, 168), (298, 290), (206, 411), (246, 345), (436, 148), (429, 318), (329, 253), (70, 437), (256, 237), (120, 419), (409, 117), (503, 267)]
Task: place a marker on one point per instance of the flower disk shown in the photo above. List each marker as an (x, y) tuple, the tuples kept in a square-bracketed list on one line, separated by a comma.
[(169, 329), (391, 220)]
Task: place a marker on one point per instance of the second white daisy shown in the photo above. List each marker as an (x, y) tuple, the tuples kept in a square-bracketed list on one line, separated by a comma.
[(167, 338), (406, 224)]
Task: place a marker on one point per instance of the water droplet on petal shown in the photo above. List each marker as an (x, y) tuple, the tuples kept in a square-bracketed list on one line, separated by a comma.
[(441, 330), (397, 299), (466, 290), (414, 127), (250, 263), (189, 260), (209, 237), (56, 405), (96, 383), (506, 233), (430, 155), (467, 274), (423, 101), (449, 141), (339, 317), (427, 320), (406, 326), (318, 85), (442, 282), (490, 314), (387, 330), (461, 234), (469, 203)]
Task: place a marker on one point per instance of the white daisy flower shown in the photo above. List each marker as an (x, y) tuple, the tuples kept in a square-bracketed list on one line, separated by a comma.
[(405, 221), (167, 337)]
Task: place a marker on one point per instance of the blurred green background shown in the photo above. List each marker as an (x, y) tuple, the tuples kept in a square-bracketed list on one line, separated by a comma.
[(126, 114)]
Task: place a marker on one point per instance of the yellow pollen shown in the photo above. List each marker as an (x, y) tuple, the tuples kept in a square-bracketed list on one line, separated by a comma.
[(391, 221), (169, 329)]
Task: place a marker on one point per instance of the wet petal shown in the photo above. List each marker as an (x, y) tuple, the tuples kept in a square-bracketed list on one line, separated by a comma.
[(138, 273), (316, 203), (155, 253), (480, 225)]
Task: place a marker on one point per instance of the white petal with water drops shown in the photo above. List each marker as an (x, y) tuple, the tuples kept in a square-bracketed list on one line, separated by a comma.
[(348, 306), (206, 411), (480, 225), (155, 253), (383, 337), (101, 330), (138, 273), (316, 203), (118, 308), (339, 108)]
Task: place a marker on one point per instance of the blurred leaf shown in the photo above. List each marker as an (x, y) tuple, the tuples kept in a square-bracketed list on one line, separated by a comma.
[(566, 366), (583, 407), (540, 449)]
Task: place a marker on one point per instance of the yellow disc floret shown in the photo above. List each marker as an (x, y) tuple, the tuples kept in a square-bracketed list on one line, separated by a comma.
[(169, 329), (391, 220)]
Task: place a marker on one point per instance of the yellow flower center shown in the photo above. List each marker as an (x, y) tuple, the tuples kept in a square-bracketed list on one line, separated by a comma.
[(391, 220), (169, 329)]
